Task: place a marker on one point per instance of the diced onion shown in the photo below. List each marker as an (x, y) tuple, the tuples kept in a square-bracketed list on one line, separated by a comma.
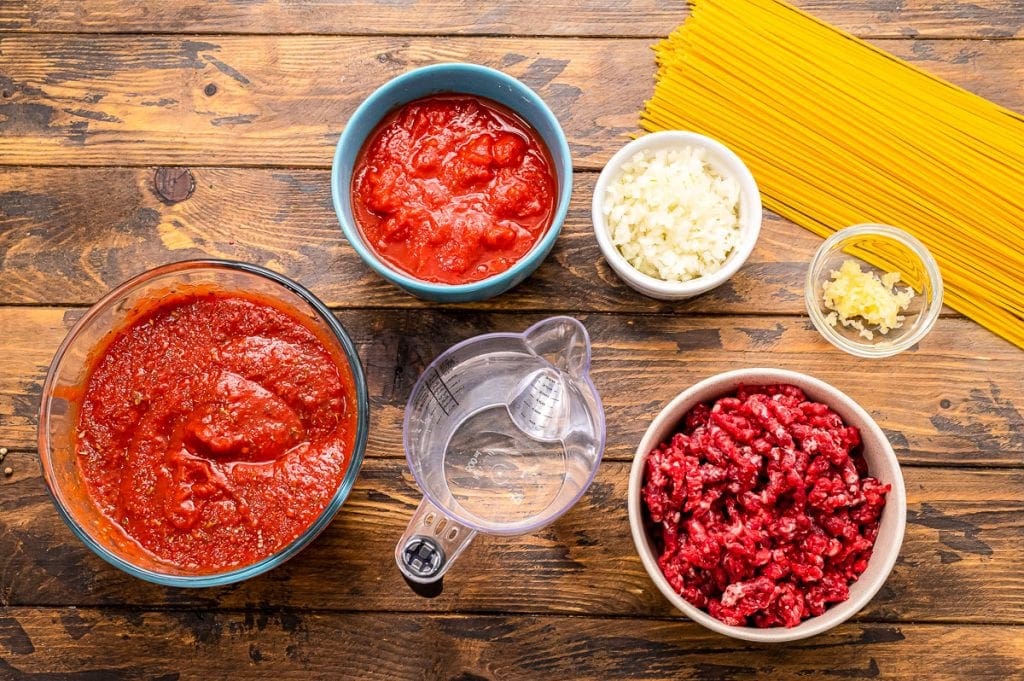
[(671, 215)]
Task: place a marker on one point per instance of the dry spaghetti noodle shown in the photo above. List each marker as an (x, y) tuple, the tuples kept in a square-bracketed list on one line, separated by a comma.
[(838, 132)]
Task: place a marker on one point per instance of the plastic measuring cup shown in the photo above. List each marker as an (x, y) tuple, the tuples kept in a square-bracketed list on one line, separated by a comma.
[(503, 433)]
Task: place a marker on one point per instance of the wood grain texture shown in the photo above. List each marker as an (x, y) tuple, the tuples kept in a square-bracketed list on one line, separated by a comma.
[(363, 17), (872, 18), (257, 644), (964, 546), (954, 400), (60, 245), (138, 133), (283, 101)]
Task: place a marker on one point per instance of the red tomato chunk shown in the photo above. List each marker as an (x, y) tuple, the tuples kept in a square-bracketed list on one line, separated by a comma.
[(761, 508), (453, 189)]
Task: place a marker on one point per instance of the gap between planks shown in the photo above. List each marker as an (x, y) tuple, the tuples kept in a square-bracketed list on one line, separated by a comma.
[(470, 612), (975, 467), (482, 306), (882, 35)]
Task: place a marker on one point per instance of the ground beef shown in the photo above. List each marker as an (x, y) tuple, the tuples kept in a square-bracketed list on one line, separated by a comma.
[(761, 509)]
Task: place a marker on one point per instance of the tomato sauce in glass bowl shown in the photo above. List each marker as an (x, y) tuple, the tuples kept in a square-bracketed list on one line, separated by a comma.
[(453, 188), (214, 428), (203, 422)]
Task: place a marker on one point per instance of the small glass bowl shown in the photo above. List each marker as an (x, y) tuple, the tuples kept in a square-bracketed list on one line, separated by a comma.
[(896, 251)]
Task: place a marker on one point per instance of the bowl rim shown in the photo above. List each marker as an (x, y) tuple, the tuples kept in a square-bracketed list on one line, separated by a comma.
[(896, 502), (750, 225), (315, 528), (560, 155), (882, 348)]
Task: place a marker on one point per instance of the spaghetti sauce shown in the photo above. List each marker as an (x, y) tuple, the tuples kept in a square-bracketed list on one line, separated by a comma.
[(215, 428), (453, 189)]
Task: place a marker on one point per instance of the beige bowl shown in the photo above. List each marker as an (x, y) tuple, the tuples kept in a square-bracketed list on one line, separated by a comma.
[(881, 462)]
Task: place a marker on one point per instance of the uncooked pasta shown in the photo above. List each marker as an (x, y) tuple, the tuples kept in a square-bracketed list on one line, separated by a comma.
[(838, 132)]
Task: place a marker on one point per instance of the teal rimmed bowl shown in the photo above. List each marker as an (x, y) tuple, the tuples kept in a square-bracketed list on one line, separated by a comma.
[(458, 78)]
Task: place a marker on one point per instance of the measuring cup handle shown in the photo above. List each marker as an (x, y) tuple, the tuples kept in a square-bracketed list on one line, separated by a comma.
[(431, 543)]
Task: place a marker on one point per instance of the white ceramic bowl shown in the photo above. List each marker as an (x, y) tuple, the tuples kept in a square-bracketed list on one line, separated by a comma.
[(878, 454), (726, 163)]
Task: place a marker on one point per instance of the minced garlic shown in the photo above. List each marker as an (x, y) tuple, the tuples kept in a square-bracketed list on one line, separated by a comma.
[(854, 293)]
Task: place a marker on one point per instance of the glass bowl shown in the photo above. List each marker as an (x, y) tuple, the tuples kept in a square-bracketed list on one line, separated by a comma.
[(878, 249), (63, 389)]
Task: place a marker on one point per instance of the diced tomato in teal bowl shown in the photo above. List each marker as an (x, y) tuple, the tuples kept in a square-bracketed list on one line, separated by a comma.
[(452, 182)]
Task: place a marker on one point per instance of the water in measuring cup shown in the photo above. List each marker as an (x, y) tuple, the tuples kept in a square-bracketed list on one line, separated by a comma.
[(503, 432), (500, 418), (498, 473)]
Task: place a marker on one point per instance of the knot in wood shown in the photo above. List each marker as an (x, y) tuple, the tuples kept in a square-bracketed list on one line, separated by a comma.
[(173, 184)]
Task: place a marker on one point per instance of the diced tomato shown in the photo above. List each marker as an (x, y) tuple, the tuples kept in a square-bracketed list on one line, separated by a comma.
[(462, 174), (453, 189), (508, 150), (428, 158), (499, 236), (478, 150)]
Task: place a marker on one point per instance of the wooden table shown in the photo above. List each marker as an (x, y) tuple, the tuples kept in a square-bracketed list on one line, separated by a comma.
[(237, 105)]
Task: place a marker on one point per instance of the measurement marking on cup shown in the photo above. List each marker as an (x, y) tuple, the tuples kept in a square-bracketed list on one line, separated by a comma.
[(544, 397), (445, 385), (446, 400)]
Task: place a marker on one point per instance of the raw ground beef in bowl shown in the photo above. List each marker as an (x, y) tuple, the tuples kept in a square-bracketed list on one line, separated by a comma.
[(766, 504)]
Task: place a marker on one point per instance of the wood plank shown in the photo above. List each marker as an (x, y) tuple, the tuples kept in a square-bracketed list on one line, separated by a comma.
[(960, 19), (283, 101), (449, 17), (951, 401), (71, 234), (965, 536), (262, 644)]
